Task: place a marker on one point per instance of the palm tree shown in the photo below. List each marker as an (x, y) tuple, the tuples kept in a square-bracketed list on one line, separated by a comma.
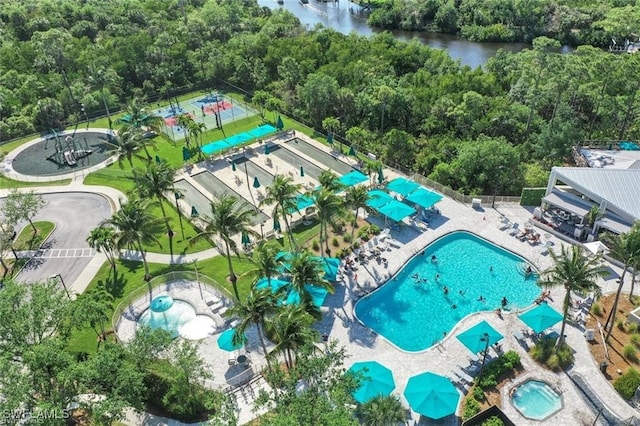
[(625, 248), (382, 411), (306, 269), (356, 198), (594, 215), (291, 329), (575, 272), (101, 79), (138, 116), (197, 129), (186, 121), (329, 180), (283, 194), (266, 262), (259, 304), (135, 227), (328, 204), (371, 168), (103, 240), (155, 181), (129, 142), (229, 216)]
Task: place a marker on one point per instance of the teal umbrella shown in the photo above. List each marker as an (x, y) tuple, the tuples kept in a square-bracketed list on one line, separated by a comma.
[(245, 239), (225, 341), (432, 395), (380, 175), (233, 166), (479, 337), (377, 380), (279, 123), (194, 212), (256, 182), (330, 138), (541, 317), (352, 151), (185, 154), (158, 160), (276, 226), (301, 171), (266, 149)]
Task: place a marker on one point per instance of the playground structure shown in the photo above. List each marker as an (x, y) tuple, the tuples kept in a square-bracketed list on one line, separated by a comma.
[(67, 152)]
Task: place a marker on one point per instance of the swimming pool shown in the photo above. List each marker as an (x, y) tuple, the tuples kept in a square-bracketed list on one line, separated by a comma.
[(536, 400), (414, 314)]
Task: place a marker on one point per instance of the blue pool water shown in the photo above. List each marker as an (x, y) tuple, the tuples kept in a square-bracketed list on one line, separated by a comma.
[(171, 320), (536, 400), (415, 315)]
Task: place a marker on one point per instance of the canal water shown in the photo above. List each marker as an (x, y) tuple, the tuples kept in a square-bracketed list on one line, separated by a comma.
[(345, 17)]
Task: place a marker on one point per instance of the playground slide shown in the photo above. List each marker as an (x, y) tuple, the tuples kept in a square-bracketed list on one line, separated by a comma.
[(68, 155)]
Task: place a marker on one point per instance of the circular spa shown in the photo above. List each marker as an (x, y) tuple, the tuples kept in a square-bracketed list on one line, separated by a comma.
[(536, 400), (177, 317), (65, 152)]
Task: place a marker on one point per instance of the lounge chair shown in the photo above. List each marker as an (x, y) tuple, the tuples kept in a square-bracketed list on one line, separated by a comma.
[(545, 248), (514, 229), (504, 224)]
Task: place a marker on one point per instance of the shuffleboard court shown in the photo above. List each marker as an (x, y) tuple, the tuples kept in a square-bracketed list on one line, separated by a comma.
[(322, 157)]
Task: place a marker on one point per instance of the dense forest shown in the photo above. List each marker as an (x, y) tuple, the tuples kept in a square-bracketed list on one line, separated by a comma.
[(411, 105), (570, 22)]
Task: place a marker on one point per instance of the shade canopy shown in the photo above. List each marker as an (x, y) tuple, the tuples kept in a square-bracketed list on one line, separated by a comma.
[(396, 211), (479, 337), (402, 186), (225, 341), (378, 198), (256, 182), (432, 395), (330, 265), (541, 317), (596, 247), (378, 380), (290, 296), (424, 198), (352, 178)]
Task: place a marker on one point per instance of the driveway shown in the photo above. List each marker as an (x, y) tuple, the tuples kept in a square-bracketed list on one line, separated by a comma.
[(66, 252)]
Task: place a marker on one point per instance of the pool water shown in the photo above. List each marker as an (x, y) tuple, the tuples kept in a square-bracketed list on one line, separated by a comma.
[(536, 400), (415, 313)]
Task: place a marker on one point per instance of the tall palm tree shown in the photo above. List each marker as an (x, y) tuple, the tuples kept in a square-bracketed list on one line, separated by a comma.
[(138, 116), (128, 143), (259, 304), (371, 168), (186, 121), (155, 181), (291, 329), (356, 198), (229, 217), (306, 269), (625, 248), (282, 193), (103, 240), (328, 205), (135, 227), (265, 261), (101, 79), (382, 411), (575, 272), (329, 180)]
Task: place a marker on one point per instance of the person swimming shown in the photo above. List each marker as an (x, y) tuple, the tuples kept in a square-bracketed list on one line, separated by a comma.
[(462, 292), (415, 276), (453, 306), (434, 259), (504, 302), (437, 278), (445, 290)]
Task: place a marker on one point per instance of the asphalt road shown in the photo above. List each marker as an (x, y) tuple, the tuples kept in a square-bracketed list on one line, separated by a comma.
[(75, 215)]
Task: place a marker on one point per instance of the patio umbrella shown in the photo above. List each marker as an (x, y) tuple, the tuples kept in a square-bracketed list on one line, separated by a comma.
[(266, 149), (301, 171), (352, 151), (225, 340), (596, 247), (245, 239), (158, 160), (402, 186), (479, 337), (378, 380), (541, 317), (279, 123), (330, 138), (185, 154), (256, 182), (276, 226), (380, 175), (194, 212), (233, 166), (432, 395)]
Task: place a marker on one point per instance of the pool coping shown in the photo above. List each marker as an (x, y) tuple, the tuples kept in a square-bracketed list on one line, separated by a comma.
[(10, 172), (533, 377), (457, 325)]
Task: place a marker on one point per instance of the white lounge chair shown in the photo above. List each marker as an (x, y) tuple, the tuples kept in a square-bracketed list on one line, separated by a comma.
[(545, 248), (514, 229)]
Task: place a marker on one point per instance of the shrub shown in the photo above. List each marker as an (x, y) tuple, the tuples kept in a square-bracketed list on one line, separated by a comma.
[(627, 384), (478, 393), (346, 238), (632, 328), (493, 371), (364, 232), (630, 352), (620, 324), (471, 408), (545, 353), (596, 309), (315, 245), (635, 340), (374, 229), (334, 242), (493, 421)]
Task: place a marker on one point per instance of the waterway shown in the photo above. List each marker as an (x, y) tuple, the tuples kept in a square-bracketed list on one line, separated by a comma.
[(343, 16)]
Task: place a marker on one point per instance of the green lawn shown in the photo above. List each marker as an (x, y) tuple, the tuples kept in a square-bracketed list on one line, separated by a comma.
[(130, 277), (27, 240)]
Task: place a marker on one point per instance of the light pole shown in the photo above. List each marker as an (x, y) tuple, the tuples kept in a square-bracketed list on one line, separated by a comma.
[(58, 276), (485, 339), (84, 112), (262, 230), (177, 197), (495, 190)]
